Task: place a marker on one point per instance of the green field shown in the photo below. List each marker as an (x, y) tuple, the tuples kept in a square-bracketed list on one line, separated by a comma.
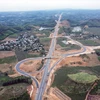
[(82, 77), (8, 60), (89, 42)]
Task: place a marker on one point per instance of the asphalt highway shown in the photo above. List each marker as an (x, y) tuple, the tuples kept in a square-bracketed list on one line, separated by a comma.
[(43, 84)]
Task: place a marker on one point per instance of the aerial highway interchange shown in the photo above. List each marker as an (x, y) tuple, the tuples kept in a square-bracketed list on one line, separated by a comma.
[(46, 71)]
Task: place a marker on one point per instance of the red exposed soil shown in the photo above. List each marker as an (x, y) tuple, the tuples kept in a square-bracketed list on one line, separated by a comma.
[(30, 65), (6, 54)]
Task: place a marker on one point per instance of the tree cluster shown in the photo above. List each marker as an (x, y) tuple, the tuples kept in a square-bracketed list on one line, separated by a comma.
[(17, 80)]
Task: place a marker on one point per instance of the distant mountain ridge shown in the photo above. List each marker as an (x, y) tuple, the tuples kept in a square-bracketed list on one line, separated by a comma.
[(92, 23)]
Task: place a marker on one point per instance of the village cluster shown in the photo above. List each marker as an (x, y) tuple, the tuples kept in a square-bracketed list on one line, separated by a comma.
[(23, 42)]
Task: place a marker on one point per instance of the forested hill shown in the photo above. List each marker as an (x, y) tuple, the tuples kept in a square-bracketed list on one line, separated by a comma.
[(92, 23), (15, 22)]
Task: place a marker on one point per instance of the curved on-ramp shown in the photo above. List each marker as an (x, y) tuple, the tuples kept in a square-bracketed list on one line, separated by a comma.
[(66, 55), (17, 67)]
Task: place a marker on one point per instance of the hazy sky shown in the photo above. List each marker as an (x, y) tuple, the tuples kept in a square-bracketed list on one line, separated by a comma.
[(22, 5)]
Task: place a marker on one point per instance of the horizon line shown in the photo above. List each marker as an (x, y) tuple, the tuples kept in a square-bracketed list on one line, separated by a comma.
[(48, 10)]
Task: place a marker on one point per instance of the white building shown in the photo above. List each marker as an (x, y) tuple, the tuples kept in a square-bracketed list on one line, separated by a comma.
[(77, 29)]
